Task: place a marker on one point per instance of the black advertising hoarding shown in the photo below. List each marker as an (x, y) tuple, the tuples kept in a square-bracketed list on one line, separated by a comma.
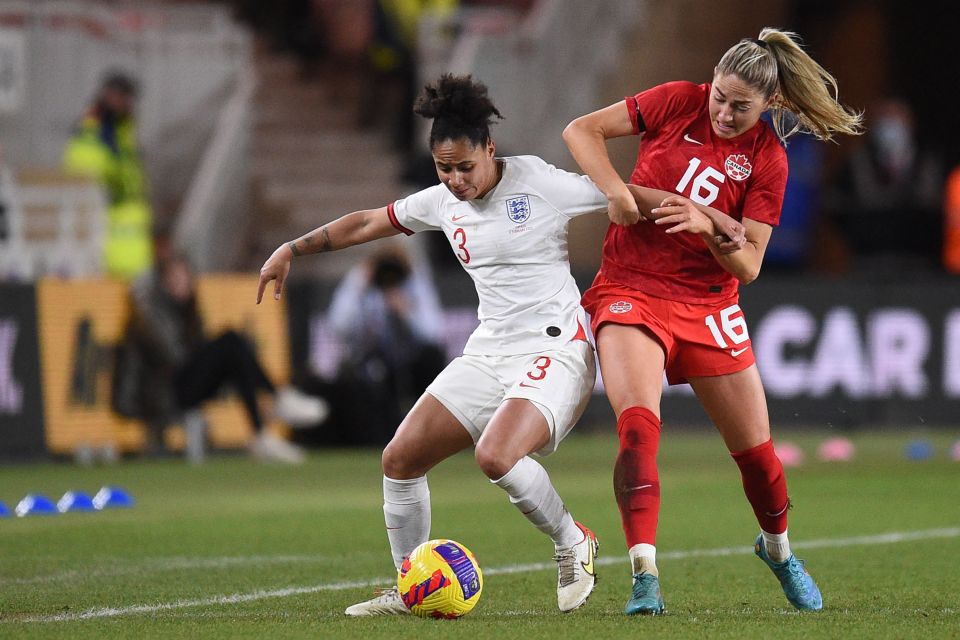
[(21, 399), (832, 353)]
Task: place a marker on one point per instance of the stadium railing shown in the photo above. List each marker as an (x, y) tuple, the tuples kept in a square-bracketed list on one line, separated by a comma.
[(54, 224)]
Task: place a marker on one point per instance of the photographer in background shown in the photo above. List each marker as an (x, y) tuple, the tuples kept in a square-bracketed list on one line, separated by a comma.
[(387, 314)]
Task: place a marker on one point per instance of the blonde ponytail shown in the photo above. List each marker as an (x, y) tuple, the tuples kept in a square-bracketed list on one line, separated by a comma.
[(807, 93)]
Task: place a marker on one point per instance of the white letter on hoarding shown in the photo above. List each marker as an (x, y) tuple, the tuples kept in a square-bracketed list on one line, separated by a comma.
[(839, 360), (786, 325), (951, 355), (11, 391), (899, 344)]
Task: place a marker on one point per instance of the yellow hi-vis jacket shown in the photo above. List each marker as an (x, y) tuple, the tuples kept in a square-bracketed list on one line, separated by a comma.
[(128, 248)]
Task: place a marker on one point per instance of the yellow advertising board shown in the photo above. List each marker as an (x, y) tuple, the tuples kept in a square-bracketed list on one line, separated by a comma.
[(81, 322)]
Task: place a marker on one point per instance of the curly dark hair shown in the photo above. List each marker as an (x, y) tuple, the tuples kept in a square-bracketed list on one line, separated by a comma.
[(460, 108)]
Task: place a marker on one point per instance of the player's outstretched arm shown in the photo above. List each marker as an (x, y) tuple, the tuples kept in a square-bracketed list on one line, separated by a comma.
[(352, 229)]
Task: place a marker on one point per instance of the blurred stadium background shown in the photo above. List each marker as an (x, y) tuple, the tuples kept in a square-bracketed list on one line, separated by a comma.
[(261, 120)]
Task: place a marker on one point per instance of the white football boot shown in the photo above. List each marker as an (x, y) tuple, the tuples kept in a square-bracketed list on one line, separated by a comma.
[(299, 410), (386, 603), (268, 447), (577, 575)]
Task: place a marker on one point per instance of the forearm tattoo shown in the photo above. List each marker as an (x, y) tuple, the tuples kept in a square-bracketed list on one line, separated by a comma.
[(311, 245), (325, 244)]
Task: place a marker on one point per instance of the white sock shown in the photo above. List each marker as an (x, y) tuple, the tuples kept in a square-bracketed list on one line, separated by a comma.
[(777, 544), (530, 489), (643, 559), (406, 510)]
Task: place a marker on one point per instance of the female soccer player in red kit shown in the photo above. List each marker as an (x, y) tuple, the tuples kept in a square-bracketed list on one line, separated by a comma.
[(665, 298)]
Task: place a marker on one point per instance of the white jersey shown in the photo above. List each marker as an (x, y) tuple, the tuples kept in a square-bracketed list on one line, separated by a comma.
[(513, 243)]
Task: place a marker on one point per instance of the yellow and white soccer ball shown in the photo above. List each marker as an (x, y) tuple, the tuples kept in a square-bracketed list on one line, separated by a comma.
[(440, 579)]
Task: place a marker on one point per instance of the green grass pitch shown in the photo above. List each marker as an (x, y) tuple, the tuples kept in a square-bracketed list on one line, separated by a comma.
[(233, 549)]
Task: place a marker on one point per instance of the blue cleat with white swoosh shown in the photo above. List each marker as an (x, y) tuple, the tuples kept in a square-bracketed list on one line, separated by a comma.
[(797, 583)]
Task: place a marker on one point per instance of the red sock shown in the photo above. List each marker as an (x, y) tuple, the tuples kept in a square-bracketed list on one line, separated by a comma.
[(636, 482), (765, 485)]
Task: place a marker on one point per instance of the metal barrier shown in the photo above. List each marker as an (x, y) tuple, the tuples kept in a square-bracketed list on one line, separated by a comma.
[(54, 226)]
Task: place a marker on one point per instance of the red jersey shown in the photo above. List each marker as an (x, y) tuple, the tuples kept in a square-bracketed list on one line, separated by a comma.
[(744, 177)]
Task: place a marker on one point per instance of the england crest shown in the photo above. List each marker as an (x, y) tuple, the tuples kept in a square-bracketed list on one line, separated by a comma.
[(518, 209)]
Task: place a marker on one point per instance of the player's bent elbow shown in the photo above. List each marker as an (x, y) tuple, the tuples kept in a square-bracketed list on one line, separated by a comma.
[(746, 276), (573, 131)]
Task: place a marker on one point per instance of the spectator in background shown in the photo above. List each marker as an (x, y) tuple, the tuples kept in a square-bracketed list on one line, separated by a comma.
[(104, 146), (887, 182), (166, 365), (387, 314)]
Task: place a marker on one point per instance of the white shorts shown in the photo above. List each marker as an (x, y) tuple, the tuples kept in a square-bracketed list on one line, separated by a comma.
[(558, 383)]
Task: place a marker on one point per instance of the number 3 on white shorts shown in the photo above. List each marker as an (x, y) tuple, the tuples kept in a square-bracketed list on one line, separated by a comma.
[(734, 328)]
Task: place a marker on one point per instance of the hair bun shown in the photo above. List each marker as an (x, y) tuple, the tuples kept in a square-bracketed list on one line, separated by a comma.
[(458, 99)]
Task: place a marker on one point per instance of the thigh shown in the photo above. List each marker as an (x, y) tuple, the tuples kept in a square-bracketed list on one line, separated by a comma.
[(518, 428), (631, 363), (199, 378), (737, 406), (557, 383), (470, 389), (428, 434)]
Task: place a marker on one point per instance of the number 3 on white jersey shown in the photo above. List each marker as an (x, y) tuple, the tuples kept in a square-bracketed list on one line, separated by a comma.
[(703, 190)]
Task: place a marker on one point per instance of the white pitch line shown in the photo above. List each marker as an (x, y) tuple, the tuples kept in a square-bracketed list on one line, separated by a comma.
[(237, 598), (156, 565)]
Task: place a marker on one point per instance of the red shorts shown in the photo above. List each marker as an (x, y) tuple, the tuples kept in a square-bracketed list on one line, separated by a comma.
[(697, 339)]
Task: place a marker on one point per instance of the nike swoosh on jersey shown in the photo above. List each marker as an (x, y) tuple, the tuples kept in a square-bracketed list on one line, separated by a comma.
[(458, 218), (736, 352), (687, 137), (532, 386)]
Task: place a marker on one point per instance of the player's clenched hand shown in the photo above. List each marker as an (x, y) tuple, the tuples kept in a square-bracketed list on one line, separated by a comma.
[(682, 215), (623, 209), (732, 235), (276, 268)]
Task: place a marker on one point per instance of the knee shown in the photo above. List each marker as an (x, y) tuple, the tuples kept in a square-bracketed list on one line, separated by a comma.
[(639, 427), (493, 461), (398, 465)]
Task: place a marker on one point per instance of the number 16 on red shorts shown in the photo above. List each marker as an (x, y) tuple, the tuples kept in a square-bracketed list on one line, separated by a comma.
[(698, 340)]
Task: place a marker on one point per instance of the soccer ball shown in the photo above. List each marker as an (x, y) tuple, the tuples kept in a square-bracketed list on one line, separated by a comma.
[(440, 579)]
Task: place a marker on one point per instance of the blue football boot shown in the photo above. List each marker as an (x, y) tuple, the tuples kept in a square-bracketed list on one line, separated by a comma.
[(797, 583), (646, 598)]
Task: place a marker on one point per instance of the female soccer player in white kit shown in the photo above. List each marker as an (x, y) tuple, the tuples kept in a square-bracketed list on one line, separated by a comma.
[(527, 371)]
